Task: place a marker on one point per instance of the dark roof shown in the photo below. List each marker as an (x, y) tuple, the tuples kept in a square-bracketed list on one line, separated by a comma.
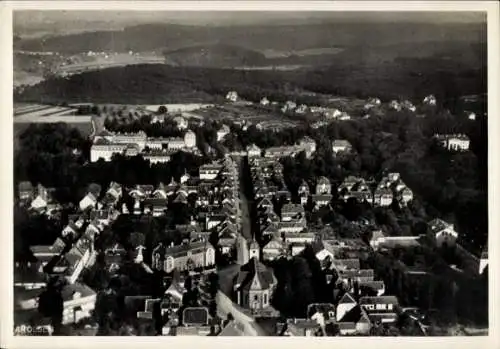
[(25, 186), (195, 316), (94, 189), (255, 269), (379, 300)]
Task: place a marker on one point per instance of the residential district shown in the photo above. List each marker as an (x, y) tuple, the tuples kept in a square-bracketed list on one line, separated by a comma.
[(220, 274)]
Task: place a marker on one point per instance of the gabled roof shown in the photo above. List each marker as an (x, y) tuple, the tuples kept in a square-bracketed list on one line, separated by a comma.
[(379, 300), (25, 186), (347, 299), (254, 269)]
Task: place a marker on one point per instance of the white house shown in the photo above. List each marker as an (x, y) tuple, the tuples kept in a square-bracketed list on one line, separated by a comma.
[(430, 100), (341, 146), (253, 151), (443, 232), (79, 301), (88, 201), (181, 123), (232, 96), (222, 132)]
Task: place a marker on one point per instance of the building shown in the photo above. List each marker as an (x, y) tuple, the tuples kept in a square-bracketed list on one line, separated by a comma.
[(264, 101), (232, 96), (309, 145), (25, 191), (254, 285), (456, 142), (383, 308), (323, 186), (289, 106), (181, 123), (292, 212), (223, 132), (210, 171), (79, 302), (430, 100), (187, 256), (341, 146), (273, 249), (443, 232), (354, 321), (104, 149), (382, 196), (253, 151)]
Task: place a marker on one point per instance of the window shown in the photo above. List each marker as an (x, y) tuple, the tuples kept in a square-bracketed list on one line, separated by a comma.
[(265, 298), (256, 298)]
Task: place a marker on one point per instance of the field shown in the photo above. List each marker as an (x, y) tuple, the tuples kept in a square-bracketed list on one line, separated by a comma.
[(26, 114)]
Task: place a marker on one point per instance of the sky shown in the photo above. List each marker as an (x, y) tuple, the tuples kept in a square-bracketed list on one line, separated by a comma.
[(33, 19)]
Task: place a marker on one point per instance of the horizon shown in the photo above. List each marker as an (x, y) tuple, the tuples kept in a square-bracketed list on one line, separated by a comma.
[(29, 21)]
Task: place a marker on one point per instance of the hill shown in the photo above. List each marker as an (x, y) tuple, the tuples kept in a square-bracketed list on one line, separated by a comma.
[(217, 55), (277, 37), (446, 75)]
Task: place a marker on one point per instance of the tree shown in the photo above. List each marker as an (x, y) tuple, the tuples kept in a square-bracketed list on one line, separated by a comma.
[(162, 109)]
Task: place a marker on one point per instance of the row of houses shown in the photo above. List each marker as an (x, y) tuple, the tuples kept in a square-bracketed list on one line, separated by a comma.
[(217, 219), (64, 260)]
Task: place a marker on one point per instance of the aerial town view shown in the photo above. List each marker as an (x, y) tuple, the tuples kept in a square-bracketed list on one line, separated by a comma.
[(250, 174)]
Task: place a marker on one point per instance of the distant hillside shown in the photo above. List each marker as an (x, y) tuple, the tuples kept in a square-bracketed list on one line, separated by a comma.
[(285, 37), (214, 56), (447, 75)]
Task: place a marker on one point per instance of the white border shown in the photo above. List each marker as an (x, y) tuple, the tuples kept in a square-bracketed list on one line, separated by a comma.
[(6, 237)]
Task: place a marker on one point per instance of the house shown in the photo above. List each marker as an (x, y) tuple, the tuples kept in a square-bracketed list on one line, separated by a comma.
[(71, 230), (29, 277), (371, 288), (76, 259), (382, 196), (292, 227), (354, 321), (301, 328), (289, 106), (25, 191), (383, 309), (352, 275), (320, 200), (344, 305), (273, 249), (292, 212), (301, 109), (45, 253), (254, 285), (89, 201), (443, 232), (430, 100), (455, 142), (264, 101), (141, 191), (298, 237), (41, 199), (308, 144), (155, 206), (408, 106), (395, 105), (323, 250), (232, 96), (323, 186), (253, 151), (210, 171), (78, 302), (303, 192), (341, 146), (113, 258), (176, 290), (222, 132), (183, 257), (181, 123)]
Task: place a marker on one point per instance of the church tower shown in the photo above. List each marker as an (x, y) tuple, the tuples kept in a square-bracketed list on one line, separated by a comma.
[(254, 249)]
